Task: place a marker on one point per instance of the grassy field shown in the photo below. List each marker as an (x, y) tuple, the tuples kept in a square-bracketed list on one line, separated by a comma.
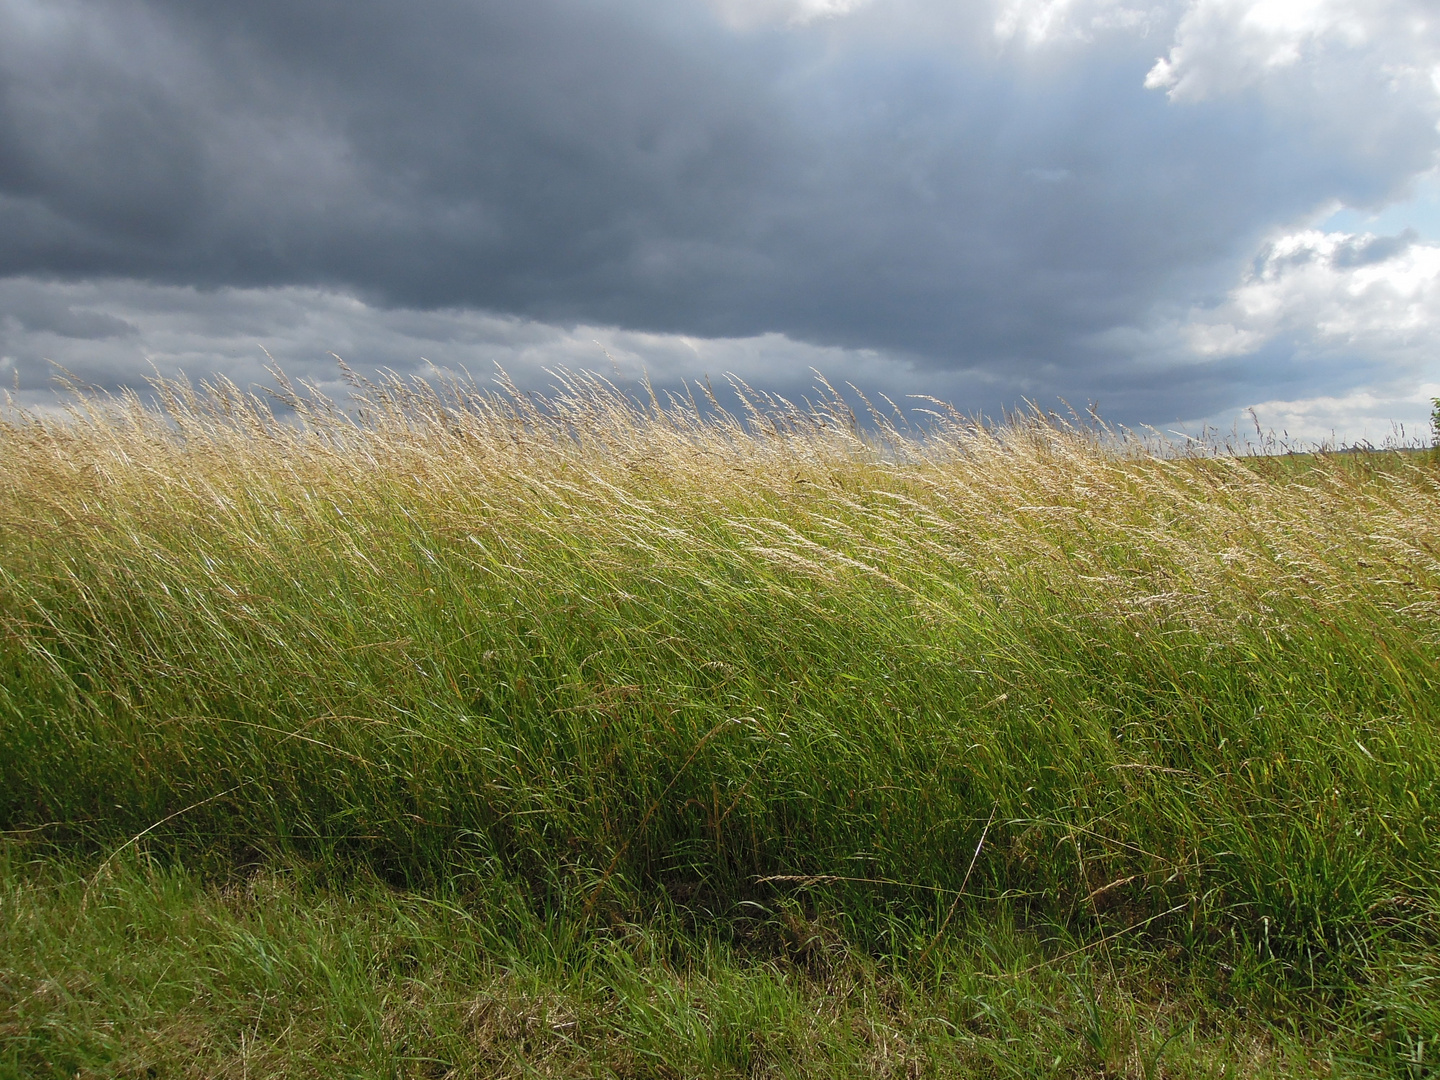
[(471, 734)]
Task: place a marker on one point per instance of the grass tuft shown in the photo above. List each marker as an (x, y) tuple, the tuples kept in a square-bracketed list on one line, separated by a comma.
[(807, 745)]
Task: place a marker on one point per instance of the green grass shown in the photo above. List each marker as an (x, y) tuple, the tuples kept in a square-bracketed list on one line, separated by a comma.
[(757, 745), (270, 974)]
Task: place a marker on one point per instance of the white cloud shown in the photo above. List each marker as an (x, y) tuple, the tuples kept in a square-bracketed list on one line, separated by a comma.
[(1358, 319), (1389, 413), (1221, 46), (1379, 294), (1038, 22), (1345, 320), (746, 14)]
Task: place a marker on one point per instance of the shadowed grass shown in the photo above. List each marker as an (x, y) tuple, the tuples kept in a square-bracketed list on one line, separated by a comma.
[(614, 655), (152, 973)]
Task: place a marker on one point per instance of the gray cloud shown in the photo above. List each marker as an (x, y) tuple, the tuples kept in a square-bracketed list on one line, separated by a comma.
[(991, 212), (236, 332), (30, 308)]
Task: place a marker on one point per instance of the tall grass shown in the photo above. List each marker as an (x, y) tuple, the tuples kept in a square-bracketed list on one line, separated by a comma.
[(620, 653)]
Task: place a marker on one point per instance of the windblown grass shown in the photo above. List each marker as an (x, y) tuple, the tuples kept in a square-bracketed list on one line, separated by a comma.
[(631, 664)]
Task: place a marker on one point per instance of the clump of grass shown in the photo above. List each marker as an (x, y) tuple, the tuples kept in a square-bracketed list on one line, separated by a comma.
[(154, 973), (618, 654)]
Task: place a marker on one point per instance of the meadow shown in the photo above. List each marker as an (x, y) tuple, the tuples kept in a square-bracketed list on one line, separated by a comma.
[(449, 732)]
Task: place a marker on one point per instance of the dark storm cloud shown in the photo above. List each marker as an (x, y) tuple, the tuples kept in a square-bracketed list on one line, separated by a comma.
[(864, 182)]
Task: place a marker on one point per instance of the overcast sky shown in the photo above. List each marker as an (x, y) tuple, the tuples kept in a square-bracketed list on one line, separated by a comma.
[(1177, 209)]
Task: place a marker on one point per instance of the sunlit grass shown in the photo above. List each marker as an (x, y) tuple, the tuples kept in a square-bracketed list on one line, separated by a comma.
[(590, 664)]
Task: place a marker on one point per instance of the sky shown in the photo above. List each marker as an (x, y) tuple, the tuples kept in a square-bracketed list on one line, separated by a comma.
[(1181, 211)]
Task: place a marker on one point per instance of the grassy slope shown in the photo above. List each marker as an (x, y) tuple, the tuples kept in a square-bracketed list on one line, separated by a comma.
[(729, 708)]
